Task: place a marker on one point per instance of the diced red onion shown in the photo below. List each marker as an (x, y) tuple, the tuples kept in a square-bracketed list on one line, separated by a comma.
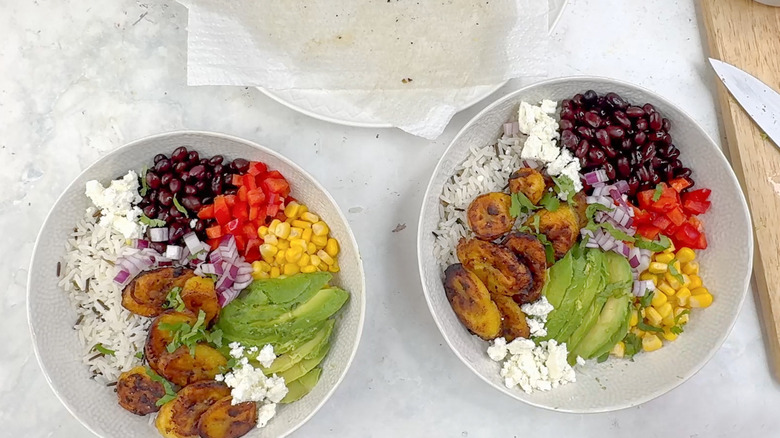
[(140, 244), (531, 164), (508, 129), (208, 268), (191, 241), (596, 176), (122, 277), (173, 252), (158, 234), (618, 197), (633, 261), (621, 186), (241, 285), (224, 283), (226, 296), (215, 257)]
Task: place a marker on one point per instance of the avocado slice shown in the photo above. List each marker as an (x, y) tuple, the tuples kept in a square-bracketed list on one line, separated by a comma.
[(299, 369), (563, 311), (612, 323), (281, 291), (314, 345), (302, 386), (595, 283), (560, 275)]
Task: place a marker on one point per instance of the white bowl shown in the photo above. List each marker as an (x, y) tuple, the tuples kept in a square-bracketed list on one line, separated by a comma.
[(725, 265), (51, 315)]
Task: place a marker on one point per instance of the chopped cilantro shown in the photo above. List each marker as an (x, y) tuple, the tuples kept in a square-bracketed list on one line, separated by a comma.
[(684, 312), (617, 234), (170, 394), (151, 222), (173, 300), (647, 298), (189, 336), (140, 355), (535, 222), (103, 350), (144, 184), (549, 251), (180, 207), (648, 328), (653, 245), (659, 190), (675, 273), (633, 345), (194, 256), (564, 185), (676, 329), (550, 202), (520, 205)]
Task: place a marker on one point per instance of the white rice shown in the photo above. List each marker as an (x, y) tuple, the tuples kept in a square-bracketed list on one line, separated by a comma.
[(486, 169), (87, 274)]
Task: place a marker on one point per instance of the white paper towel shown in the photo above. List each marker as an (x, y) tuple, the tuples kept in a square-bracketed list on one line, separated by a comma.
[(409, 61)]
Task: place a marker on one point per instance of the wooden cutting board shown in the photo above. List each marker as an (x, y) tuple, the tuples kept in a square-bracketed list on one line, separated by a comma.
[(747, 34)]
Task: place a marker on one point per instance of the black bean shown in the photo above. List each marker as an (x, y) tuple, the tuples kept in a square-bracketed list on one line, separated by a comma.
[(152, 180), (179, 155), (159, 157), (241, 164), (175, 185), (190, 190), (166, 179), (193, 157), (162, 166), (165, 197)]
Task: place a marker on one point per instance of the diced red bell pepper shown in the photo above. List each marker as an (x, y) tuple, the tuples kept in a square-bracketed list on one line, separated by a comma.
[(272, 209), (688, 235), (240, 243), (697, 223), (241, 211), (257, 168), (248, 181), (213, 243), (214, 232), (696, 207), (252, 252), (280, 215), (221, 210), (668, 200), (232, 226), (661, 222), (237, 180), (241, 193), (680, 184), (274, 174), (648, 231), (257, 213), (700, 195), (641, 216), (255, 197), (645, 199), (677, 216), (206, 212), (249, 230), (276, 185)]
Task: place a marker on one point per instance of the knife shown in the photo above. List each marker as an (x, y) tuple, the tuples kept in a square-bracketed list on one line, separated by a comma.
[(760, 101)]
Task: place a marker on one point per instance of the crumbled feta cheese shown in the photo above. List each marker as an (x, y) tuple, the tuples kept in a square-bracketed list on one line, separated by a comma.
[(580, 361), (265, 413), (497, 351), (549, 106), (536, 327), (116, 204), (542, 132), (536, 316), (236, 350), (572, 170), (253, 349), (266, 356), (556, 166), (536, 368)]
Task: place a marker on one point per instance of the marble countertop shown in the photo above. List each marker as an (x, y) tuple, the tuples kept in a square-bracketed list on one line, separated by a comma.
[(80, 78)]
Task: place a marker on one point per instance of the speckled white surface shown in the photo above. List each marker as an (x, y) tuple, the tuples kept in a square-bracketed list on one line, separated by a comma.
[(80, 79)]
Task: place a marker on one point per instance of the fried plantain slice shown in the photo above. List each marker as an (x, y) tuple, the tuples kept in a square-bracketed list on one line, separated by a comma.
[(146, 293), (158, 339), (580, 206), (513, 322), (182, 368), (530, 251), (198, 293), (561, 227), (489, 217), (529, 182), (471, 302), (179, 417), (137, 392), (226, 420), (499, 269)]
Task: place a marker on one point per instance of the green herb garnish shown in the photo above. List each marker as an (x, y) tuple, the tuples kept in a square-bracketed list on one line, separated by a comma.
[(590, 214), (661, 244), (550, 202), (520, 205), (646, 299), (194, 256), (189, 336), (144, 184), (140, 355), (535, 222), (170, 394), (617, 234), (633, 345), (180, 207), (173, 300), (675, 273), (103, 350), (659, 190), (603, 357), (151, 222), (564, 185), (549, 251), (648, 328), (676, 329)]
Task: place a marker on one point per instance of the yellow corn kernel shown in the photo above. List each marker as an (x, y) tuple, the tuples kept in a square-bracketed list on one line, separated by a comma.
[(311, 248), (310, 217), (291, 269), (652, 316), (668, 320), (308, 269), (334, 268), (699, 291), (647, 276), (659, 300), (320, 229), (619, 350), (320, 241), (680, 317), (686, 281), (658, 268), (665, 310), (322, 266), (682, 296), (299, 243), (282, 230), (325, 257), (273, 224), (664, 257), (634, 318), (642, 313), (691, 268), (671, 248), (700, 300), (280, 256), (637, 332), (292, 255), (295, 233), (669, 336), (332, 247), (302, 209), (283, 244), (262, 231), (261, 276), (314, 260), (673, 282), (664, 287), (300, 224), (651, 342), (695, 282), (304, 260), (256, 271), (685, 255), (268, 251), (306, 235), (275, 272), (271, 239), (292, 210)]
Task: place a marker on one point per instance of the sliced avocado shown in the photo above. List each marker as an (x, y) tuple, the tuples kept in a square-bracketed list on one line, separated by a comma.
[(595, 283), (590, 318), (561, 313), (560, 275), (299, 369), (281, 291), (611, 321), (618, 269), (299, 388), (287, 360)]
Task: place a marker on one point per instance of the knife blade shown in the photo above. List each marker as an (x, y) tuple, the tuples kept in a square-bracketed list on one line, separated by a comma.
[(759, 100)]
